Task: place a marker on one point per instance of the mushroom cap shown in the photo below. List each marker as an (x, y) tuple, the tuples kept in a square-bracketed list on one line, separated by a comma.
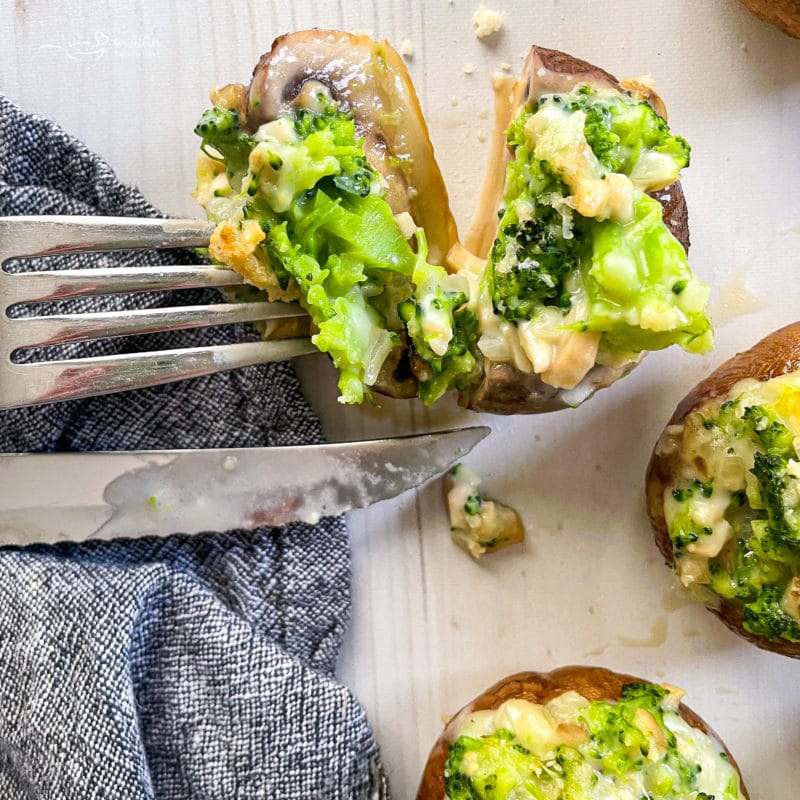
[(504, 389), (370, 80), (594, 683), (775, 355)]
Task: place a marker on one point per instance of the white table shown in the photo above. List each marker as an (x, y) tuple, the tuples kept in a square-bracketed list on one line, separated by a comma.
[(430, 627)]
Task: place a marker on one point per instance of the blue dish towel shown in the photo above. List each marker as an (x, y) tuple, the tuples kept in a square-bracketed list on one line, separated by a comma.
[(187, 667)]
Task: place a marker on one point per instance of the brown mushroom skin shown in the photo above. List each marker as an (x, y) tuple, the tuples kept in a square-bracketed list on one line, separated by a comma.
[(775, 355), (370, 80), (785, 14), (594, 683), (504, 389)]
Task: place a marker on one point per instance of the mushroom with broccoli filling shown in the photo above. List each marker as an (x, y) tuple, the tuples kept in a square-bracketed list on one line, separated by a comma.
[(323, 184)]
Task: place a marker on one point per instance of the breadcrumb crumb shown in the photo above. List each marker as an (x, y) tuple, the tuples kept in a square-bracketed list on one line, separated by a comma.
[(487, 21), (406, 48)]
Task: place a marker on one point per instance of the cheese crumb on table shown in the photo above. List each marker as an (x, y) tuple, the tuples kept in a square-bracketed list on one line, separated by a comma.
[(487, 22), (406, 48)]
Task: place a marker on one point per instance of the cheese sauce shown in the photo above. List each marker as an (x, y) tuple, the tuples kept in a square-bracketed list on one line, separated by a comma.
[(732, 507), (571, 747)]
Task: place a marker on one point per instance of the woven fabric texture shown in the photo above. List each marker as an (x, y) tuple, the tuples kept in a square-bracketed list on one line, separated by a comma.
[(186, 667)]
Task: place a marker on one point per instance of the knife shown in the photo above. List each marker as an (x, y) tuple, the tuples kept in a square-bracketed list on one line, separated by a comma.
[(52, 497)]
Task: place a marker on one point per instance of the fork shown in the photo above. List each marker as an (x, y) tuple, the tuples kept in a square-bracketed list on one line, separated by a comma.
[(24, 384)]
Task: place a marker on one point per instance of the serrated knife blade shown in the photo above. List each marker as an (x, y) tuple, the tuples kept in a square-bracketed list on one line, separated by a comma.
[(52, 497)]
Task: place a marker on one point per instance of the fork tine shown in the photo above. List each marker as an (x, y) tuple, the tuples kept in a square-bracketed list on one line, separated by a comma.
[(41, 235), (48, 381), (59, 328), (27, 287)]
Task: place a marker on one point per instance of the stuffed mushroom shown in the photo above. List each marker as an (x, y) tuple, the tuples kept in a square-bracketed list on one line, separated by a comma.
[(587, 269), (723, 492), (579, 732)]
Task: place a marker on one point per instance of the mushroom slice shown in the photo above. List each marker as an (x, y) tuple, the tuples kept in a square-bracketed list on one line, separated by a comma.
[(370, 80)]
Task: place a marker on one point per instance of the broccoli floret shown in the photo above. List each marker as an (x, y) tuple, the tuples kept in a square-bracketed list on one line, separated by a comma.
[(773, 435), (605, 143), (619, 130), (766, 617), (778, 496), (306, 181), (627, 130), (222, 131), (746, 572), (531, 259), (618, 744), (490, 768)]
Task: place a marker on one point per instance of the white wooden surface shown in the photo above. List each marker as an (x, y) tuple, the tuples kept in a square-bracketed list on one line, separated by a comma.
[(431, 628)]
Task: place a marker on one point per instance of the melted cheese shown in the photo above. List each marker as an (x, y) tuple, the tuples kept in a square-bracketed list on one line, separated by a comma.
[(556, 136), (701, 453), (541, 728), (478, 525)]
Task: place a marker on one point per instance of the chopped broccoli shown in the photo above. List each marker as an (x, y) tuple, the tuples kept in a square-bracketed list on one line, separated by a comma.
[(325, 227), (766, 617), (490, 768), (532, 259), (618, 742), (624, 739), (746, 573), (703, 488), (532, 255), (629, 280), (619, 131), (684, 529), (473, 504), (762, 554), (775, 437), (457, 368), (628, 271), (441, 331), (778, 495)]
